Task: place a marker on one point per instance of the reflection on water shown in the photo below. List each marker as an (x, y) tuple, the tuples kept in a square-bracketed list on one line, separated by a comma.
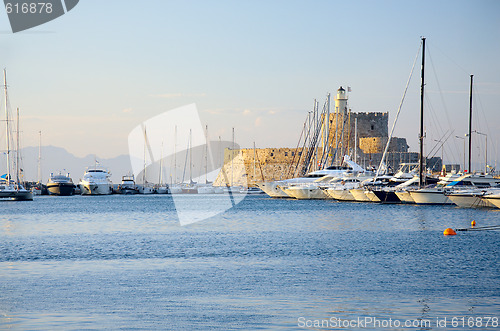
[(125, 262)]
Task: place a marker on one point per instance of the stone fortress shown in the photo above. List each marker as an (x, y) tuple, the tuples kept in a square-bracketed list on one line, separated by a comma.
[(362, 135)]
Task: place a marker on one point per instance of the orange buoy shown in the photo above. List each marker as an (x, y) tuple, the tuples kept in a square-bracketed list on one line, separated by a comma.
[(449, 232), (473, 223)]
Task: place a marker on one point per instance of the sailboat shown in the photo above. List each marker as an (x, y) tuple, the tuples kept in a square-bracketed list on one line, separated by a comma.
[(206, 188), (146, 187), (161, 188), (11, 188)]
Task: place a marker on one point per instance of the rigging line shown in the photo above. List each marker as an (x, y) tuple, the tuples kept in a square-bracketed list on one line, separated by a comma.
[(438, 128), (297, 151), (397, 113), (481, 110), (440, 90), (467, 72)]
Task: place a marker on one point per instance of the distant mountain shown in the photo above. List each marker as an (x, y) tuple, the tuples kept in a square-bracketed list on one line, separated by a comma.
[(55, 159)]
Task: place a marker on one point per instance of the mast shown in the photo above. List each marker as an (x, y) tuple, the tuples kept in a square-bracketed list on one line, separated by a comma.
[(17, 149), (327, 149), (232, 157), (356, 139), (421, 137), (470, 121), (190, 158), (7, 135), (144, 172), (175, 154), (206, 154), (254, 162), (160, 180), (40, 157)]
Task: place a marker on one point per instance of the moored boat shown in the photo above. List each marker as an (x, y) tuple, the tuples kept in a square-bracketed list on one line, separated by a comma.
[(60, 185), (96, 181)]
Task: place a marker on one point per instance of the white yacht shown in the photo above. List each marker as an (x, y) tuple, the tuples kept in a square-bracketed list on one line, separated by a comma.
[(436, 194), (309, 190), (273, 189), (96, 181), (493, 197), (340, 190), (470, 198)]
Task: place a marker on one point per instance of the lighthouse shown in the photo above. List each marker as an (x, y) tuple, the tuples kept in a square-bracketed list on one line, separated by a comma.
[(341, 101)]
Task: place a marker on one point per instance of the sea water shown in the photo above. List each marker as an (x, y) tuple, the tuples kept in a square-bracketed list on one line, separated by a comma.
[(124, 262)]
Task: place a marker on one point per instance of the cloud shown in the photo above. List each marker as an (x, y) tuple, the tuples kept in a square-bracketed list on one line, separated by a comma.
[(127, 110), (178, 95), (258, 121), (247, 112)]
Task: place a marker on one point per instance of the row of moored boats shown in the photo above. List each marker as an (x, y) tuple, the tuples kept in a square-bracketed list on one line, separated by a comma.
[(351, 182), (97, 181)]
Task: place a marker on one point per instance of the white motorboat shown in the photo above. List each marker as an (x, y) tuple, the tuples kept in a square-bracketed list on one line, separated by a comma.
[(273, 189), (96, 181), (434, 194), (340, 190), (470, 198), (309, 190), (450, 184), (493, 197)]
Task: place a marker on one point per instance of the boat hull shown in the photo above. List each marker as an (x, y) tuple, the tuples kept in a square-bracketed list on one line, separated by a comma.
[(493, 200), (386, 196), (359, 195), (428, 197), (371, 196), (470, 201), (272, 189), (405, 197), (305, 193), (62, 189), (95, 189)]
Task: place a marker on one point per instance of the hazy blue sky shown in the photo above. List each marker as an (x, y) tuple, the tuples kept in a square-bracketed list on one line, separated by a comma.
[(89, 77)]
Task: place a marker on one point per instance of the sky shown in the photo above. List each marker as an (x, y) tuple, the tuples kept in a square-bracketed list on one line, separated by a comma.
[(89, 77)]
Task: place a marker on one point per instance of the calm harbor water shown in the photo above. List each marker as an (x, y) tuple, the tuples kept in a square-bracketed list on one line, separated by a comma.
[(124, 262)]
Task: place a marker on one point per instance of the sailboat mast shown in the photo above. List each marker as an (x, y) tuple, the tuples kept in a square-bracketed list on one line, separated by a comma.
[(160, 180), (206, 154), (470, 122), (254, 162), (17, 149), (421, 137), (7, 135), (175, 154), (355, 139), (40, 157), (232, 157), (144, 171), (190, 158)]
